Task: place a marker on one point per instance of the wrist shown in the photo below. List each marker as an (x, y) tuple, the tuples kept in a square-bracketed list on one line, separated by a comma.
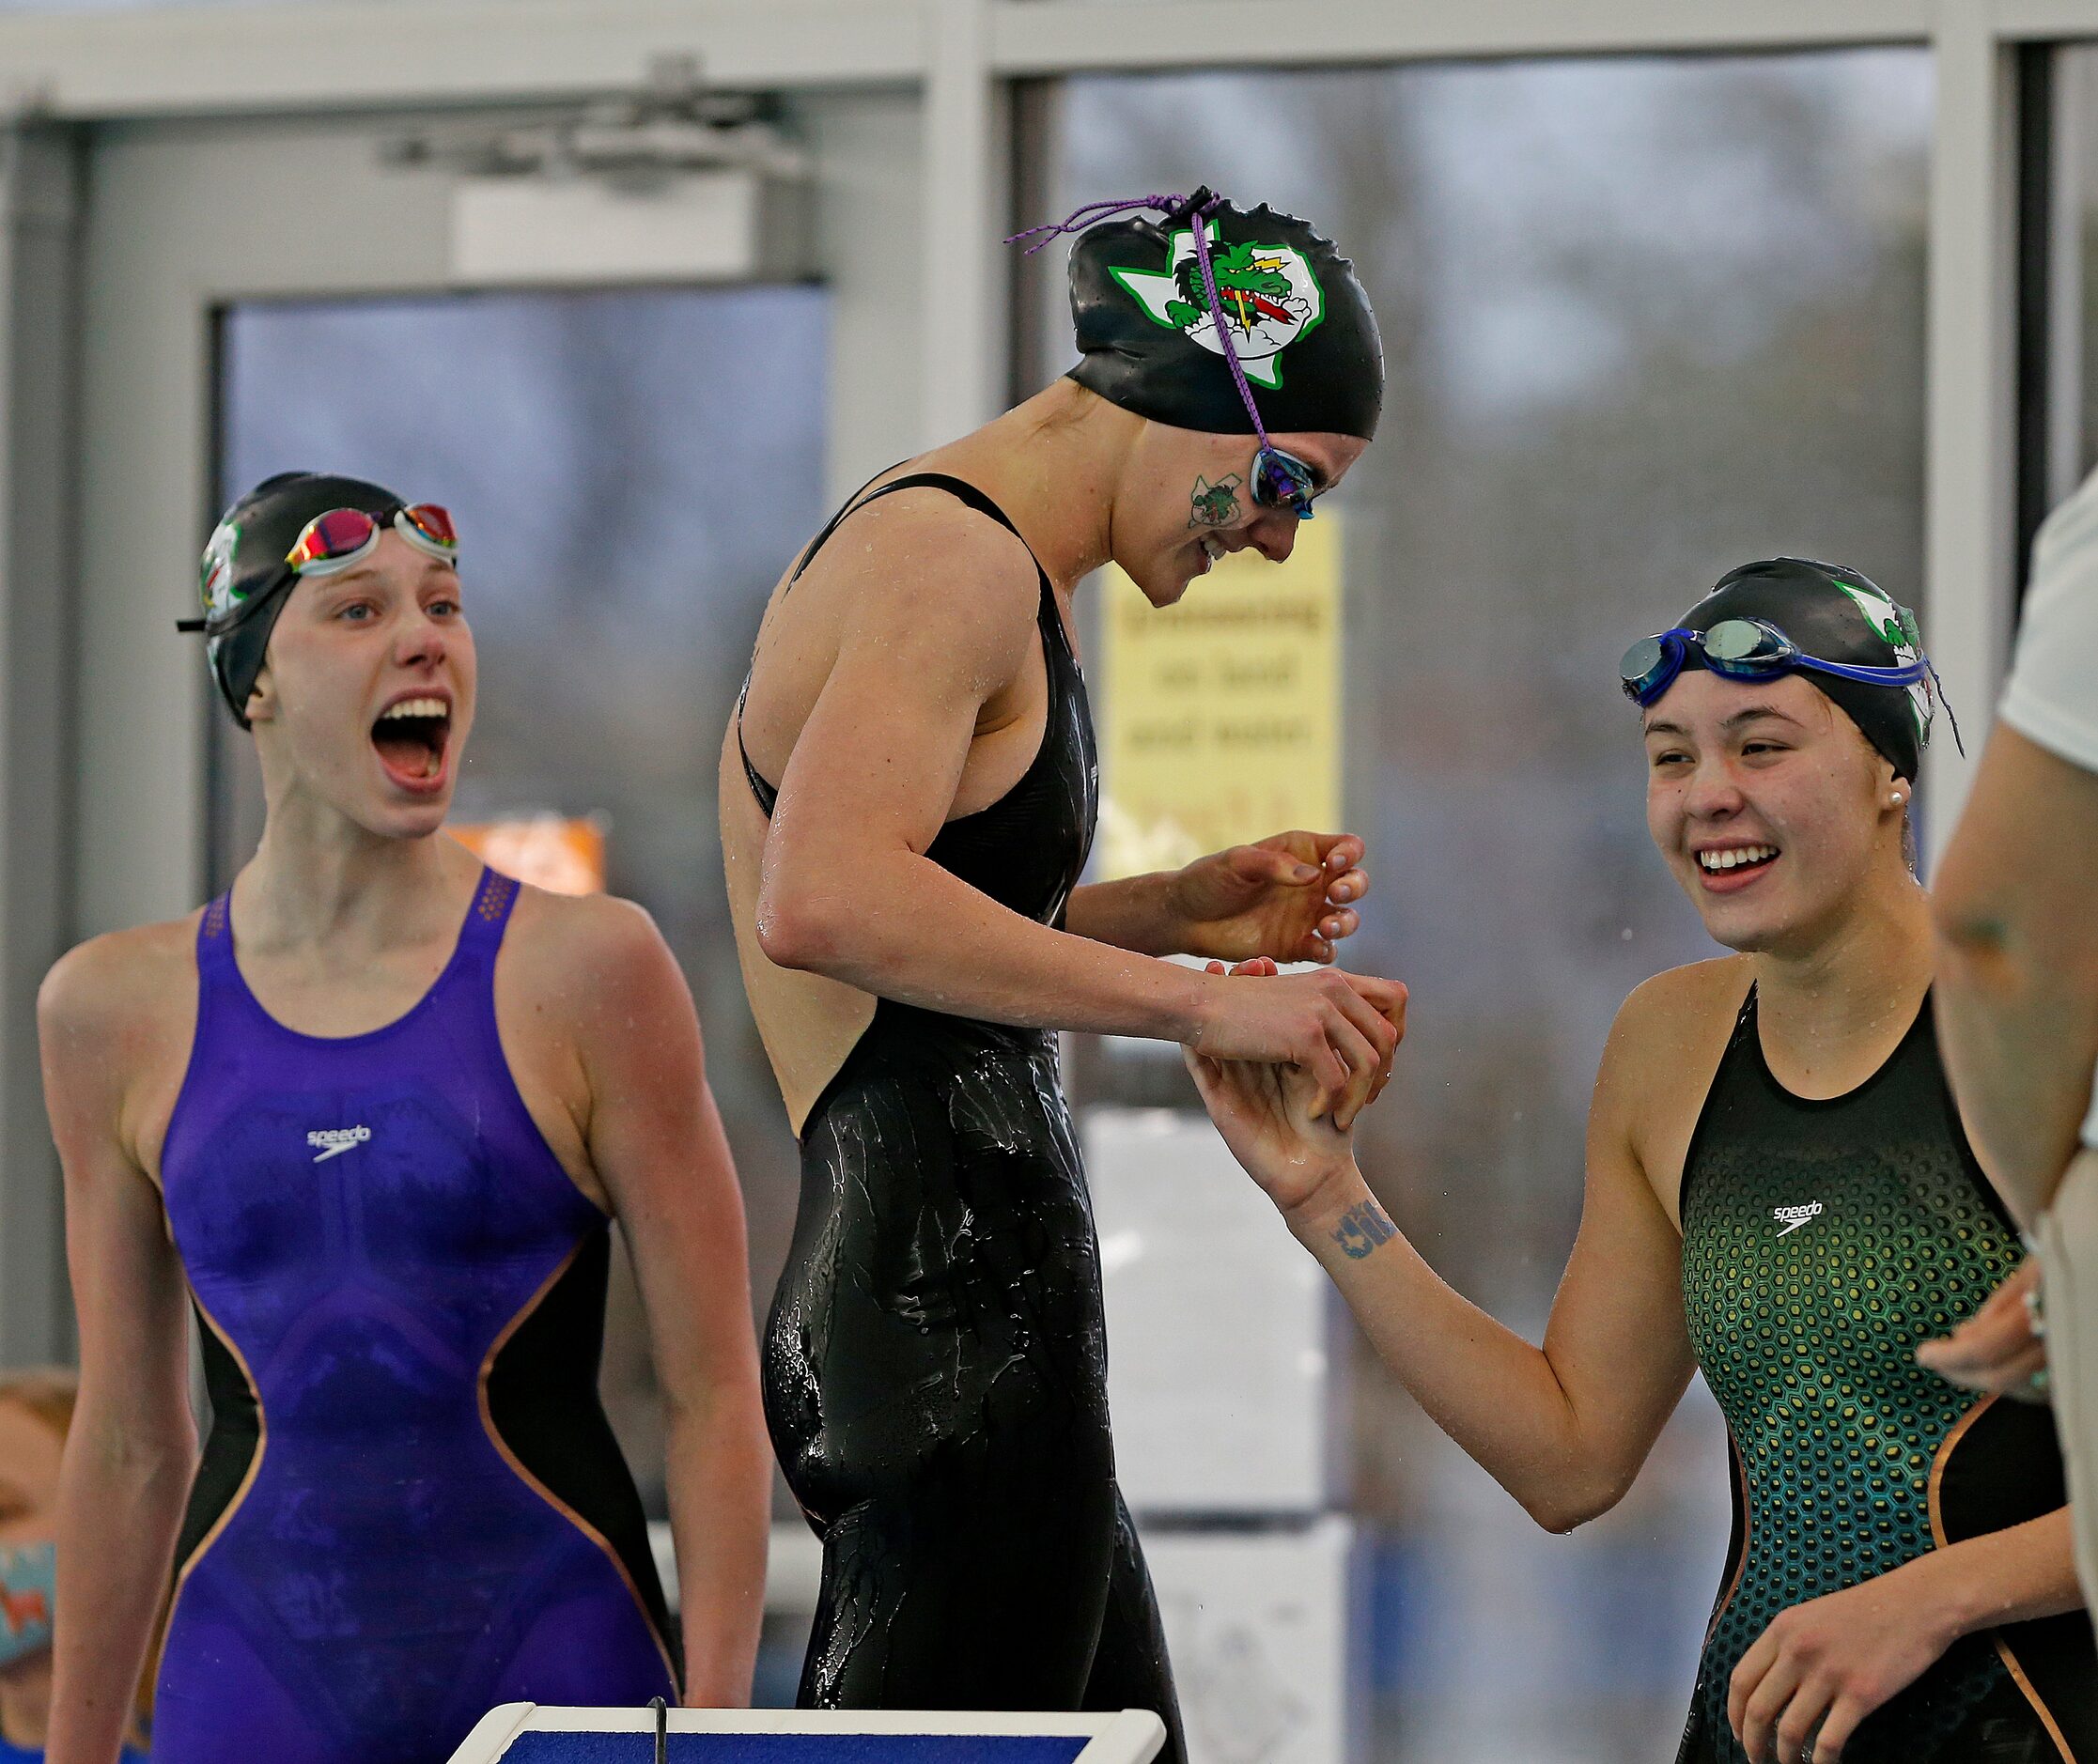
[(1190, 1003), (1336, 1191), (1164, 912), (1944, 1601)]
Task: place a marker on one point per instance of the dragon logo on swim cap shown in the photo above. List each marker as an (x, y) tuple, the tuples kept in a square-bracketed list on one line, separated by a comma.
[(217, 577), (1267, 292), (1896, 628)]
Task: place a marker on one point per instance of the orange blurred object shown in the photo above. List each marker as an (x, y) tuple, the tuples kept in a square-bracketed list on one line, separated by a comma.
[(561, 854)]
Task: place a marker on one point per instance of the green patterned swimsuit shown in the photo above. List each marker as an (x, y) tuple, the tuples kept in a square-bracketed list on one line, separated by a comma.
[(1822, 1242)]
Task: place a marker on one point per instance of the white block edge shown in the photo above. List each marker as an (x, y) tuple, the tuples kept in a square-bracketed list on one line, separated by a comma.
[(1133, 1735), (492, 1733)]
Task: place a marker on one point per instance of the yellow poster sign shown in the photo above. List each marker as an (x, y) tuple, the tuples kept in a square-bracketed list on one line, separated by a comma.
[(1223, 717)]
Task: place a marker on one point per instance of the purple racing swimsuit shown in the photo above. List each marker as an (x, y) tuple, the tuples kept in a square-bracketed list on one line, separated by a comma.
[(410, 1507)]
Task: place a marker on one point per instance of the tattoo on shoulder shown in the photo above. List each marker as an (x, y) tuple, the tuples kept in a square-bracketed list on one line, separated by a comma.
[(1362, 1229), (1213, 505)]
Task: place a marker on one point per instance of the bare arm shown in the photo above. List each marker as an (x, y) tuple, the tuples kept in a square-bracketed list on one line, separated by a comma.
[(132, 1450), (1565, 1427), (1291, 897), (654, 1139), (934, 636), (2017, 978)]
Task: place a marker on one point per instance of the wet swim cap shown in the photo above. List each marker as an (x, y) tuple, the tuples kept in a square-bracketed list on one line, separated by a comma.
[(1300, 323), (246, 579), (1835, 614)]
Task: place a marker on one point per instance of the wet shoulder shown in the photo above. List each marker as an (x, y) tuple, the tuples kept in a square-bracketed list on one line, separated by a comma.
[(1663, 1048), (923, 556), (115, 1018), (132, 986), (587, 972), (570, 953), (590, 1005)]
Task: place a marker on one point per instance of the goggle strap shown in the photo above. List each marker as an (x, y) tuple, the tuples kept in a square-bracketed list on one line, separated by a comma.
[(1950, 715), (1908, 673), (1201, 219)]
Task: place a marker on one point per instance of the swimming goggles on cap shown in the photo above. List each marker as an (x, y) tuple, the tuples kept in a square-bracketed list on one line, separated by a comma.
[(343, 536), (1740, 649)]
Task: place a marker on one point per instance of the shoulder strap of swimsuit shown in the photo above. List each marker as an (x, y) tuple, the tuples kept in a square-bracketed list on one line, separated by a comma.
[(489, 915), (214, 941), (962, 491), (1743, 1043)]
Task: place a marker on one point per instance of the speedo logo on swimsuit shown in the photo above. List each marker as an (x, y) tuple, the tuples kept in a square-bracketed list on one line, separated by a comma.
[(1795, 1218), (334, 1141)]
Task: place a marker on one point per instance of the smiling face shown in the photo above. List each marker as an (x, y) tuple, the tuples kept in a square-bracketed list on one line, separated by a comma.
[(368, 694), (1185, 499), (1769, 807)]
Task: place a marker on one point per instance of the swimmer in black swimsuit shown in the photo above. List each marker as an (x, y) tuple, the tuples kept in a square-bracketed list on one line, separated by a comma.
[(907, 802), (1781, 1194)]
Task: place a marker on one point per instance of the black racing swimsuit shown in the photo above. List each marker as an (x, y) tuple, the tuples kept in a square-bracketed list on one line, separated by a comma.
[(1822, 1242), (935, 1362)]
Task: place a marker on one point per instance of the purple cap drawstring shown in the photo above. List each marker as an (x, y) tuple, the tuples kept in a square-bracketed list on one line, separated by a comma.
[(1079, 218), (1217, 317), (1094, 213)]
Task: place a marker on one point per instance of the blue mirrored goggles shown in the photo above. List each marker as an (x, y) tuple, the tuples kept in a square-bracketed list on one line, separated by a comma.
[(1283, 481), (1740, 649)]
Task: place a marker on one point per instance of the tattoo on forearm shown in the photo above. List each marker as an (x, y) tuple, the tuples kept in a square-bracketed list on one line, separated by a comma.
[(1362, 1229), (1213, 505)]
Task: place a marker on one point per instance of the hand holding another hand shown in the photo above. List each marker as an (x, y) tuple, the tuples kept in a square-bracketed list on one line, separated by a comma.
[(1340, 1030), (1285, 1123)]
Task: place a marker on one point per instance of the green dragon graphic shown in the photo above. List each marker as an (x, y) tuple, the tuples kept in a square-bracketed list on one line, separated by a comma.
[(1250, 289), (1213, 505)]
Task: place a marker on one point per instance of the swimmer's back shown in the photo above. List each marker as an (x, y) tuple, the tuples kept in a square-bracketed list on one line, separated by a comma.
[(931, 548)]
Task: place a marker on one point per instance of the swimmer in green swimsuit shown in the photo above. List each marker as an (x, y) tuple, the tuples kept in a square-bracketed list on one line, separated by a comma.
[(1779, 1193)]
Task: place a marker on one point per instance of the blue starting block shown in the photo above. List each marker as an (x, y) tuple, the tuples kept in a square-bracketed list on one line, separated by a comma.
[(525, 1733)]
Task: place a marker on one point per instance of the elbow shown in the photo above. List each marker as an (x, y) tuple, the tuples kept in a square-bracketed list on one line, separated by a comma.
[(804, 918), (1554, 1513), (795, 937), (1968, 912), (1564, 1506), (1964, 928), (802, 924)]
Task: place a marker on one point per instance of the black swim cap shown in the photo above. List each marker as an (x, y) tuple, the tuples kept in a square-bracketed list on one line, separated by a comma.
[(1834, 614), (1300, 323), (246, 578)]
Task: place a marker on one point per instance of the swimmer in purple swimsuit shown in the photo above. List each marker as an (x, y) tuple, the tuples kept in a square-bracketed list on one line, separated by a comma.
[(370, 1115)]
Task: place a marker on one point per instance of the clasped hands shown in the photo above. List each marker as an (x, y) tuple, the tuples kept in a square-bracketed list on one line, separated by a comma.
[(1326, 1038)]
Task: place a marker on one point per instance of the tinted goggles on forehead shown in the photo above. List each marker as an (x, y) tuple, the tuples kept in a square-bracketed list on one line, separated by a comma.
[(1740, 649), (335, 541)]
